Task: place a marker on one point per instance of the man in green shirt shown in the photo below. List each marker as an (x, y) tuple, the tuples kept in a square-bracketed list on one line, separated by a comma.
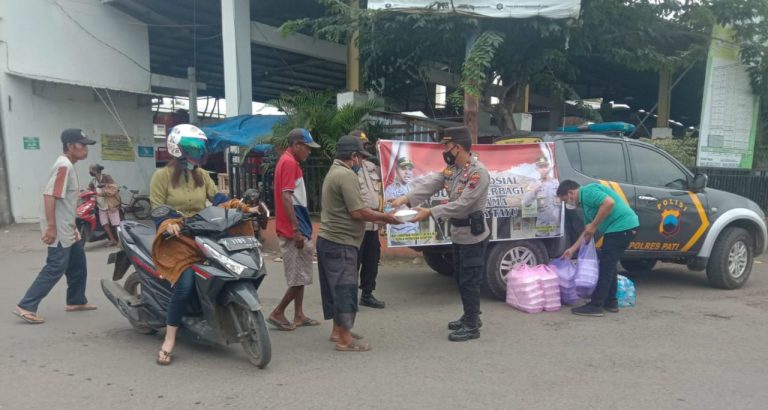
[(606, 211), (342, 227)]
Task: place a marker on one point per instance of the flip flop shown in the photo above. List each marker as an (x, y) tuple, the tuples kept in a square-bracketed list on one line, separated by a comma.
[(167, 358), (281, 325), (79, 308), (307, 322), (354, 346), (354, 336), (29, 317)]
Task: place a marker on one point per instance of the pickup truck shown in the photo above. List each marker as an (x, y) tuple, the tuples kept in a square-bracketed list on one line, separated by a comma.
[(681, 220)]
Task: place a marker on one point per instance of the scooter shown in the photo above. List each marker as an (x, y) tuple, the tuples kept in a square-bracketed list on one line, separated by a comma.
[(227, 308), (87, 221)]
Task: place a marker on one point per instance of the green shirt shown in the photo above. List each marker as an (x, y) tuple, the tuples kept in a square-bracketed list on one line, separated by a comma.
[(621, 218), (187, 199), (340, 197)]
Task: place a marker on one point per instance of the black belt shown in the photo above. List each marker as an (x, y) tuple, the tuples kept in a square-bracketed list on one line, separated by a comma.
[(459, 222)]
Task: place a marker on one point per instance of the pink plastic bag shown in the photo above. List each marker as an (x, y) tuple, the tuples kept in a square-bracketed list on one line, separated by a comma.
[(587, 270), (533, 289)]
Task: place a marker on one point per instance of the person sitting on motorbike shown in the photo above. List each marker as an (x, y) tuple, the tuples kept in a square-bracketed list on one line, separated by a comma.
[(185, 187), (107, 200)]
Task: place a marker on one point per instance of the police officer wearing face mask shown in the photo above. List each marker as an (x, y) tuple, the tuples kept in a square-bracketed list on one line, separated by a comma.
[(466, 181)]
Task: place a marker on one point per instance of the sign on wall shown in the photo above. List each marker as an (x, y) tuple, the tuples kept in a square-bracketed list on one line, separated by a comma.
[(32, 143), (146, 152), (555, 9), (522, 201), (729, 113), (117, 148)]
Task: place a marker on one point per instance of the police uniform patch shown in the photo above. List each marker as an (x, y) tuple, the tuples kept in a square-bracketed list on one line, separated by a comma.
[(473, 180)]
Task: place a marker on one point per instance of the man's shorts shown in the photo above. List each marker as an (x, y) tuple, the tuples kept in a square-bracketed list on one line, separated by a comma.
[(297, 263), (109, 216)]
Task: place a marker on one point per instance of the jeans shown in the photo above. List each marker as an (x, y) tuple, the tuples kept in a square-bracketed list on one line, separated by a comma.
[(613, 248), (183, 289), (468, 270), (368, 261), (68, 261)]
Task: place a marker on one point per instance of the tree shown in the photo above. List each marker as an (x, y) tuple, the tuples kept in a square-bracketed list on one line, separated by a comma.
[(317, 112)]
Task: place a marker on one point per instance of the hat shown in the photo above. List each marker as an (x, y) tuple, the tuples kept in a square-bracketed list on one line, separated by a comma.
[(350, 144), (303, 136), (360, 134), (96, 167), (542, 160), (73, 135), (456, 135), (404, 162)]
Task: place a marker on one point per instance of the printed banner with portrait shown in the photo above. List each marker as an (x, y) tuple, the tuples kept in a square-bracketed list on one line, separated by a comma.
[(522, 200)]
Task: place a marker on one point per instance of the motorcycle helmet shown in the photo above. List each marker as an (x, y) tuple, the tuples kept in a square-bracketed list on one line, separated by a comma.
[(251, 196), (185, 141)]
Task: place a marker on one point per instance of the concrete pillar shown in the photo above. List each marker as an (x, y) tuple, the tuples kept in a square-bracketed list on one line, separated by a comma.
[(192, 77), (236, 45)]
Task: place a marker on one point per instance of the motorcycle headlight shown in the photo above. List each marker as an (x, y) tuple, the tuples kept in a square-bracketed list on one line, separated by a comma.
[(225, 260)]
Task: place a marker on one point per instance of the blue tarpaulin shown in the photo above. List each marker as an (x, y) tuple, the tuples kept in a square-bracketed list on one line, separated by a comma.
[(241, 131)]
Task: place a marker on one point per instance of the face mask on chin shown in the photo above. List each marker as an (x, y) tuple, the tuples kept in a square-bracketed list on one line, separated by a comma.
[(571, 206), (93, 174)]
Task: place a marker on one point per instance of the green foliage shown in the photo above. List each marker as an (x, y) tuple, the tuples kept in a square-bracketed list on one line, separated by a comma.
[(316, 111), (477, 65), (684, 149)]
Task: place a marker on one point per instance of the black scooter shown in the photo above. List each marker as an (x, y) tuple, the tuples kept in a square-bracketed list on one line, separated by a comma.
[(227, 308)]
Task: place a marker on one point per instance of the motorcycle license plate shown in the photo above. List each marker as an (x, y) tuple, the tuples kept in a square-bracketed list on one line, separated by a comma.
[(239, 243)]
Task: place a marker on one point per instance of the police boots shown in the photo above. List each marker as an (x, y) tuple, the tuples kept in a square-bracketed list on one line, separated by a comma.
[(367, 299)]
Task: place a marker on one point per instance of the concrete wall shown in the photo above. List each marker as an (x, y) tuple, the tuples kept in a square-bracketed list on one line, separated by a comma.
[(42, 109)]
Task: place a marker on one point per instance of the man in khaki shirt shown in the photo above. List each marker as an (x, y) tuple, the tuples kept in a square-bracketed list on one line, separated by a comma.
[(370, 250), (342, 229)]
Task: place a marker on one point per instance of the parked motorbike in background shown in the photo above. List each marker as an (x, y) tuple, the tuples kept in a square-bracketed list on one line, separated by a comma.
[(227, 307), (87, 219)]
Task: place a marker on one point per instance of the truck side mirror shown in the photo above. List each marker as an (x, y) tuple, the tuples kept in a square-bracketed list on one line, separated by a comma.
[(699, 182)]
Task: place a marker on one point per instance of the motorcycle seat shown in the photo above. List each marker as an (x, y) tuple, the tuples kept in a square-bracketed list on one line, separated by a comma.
[(144, 236)]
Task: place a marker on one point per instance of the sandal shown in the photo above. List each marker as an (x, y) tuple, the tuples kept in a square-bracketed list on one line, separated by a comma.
[(354, 346), (79, 308), (281, 324), (29, 317), (307, 322), (354, 336), (164, 358)]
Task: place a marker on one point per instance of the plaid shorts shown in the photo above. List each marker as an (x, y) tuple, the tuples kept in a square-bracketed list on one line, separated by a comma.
[(297, 263)]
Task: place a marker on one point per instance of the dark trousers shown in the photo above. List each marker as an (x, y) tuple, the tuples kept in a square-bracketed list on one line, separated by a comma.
[(183, 290), (614, 245), (368, 261), (337, 271), (61, 261), (468, 270)]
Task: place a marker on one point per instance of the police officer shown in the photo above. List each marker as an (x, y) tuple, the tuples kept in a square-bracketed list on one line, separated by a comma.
[(466, 181), (544, 192), (370, 250)]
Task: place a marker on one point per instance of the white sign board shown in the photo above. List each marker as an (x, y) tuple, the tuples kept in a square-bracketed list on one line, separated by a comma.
[(554, 9), (730, 109)]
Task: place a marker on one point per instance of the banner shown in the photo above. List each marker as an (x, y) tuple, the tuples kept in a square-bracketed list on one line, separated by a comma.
[(117, 148), (730, 111), (522, 200), (554, 9)]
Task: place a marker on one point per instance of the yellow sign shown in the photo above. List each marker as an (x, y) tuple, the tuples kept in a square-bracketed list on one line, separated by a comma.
[(117, 148)]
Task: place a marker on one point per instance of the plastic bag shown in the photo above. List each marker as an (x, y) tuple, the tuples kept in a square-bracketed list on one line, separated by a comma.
[(587, 270), (533, 289), (566, 273), (625, 292)]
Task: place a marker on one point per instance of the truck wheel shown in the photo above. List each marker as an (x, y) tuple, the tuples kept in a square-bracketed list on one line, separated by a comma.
[(505, 256), (440, 262), (638, 265), (730, 263)]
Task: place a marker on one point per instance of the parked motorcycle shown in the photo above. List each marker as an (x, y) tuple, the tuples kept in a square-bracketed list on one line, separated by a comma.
[(227, 308), (87, 220)]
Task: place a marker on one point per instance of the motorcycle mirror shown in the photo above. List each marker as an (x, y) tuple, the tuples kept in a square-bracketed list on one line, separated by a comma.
[(161, 211)]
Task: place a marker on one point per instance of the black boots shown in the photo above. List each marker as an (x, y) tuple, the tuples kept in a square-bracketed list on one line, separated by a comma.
[(367, 299), (456, 324), (465, 333)]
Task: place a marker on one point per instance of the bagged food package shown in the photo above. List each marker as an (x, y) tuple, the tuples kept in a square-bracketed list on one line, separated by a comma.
[(625, 292), (587, 270), (566, 273)]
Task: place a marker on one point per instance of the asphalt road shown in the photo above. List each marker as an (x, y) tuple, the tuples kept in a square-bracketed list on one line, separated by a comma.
[(685, 345)]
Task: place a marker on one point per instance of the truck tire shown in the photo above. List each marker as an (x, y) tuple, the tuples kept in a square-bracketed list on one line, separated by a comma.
[(440, 261), (505, 256), (638, 265), (730, 263)]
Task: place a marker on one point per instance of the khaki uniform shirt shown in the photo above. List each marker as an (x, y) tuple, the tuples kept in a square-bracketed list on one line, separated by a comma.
[(467, 189), (370, 188)]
